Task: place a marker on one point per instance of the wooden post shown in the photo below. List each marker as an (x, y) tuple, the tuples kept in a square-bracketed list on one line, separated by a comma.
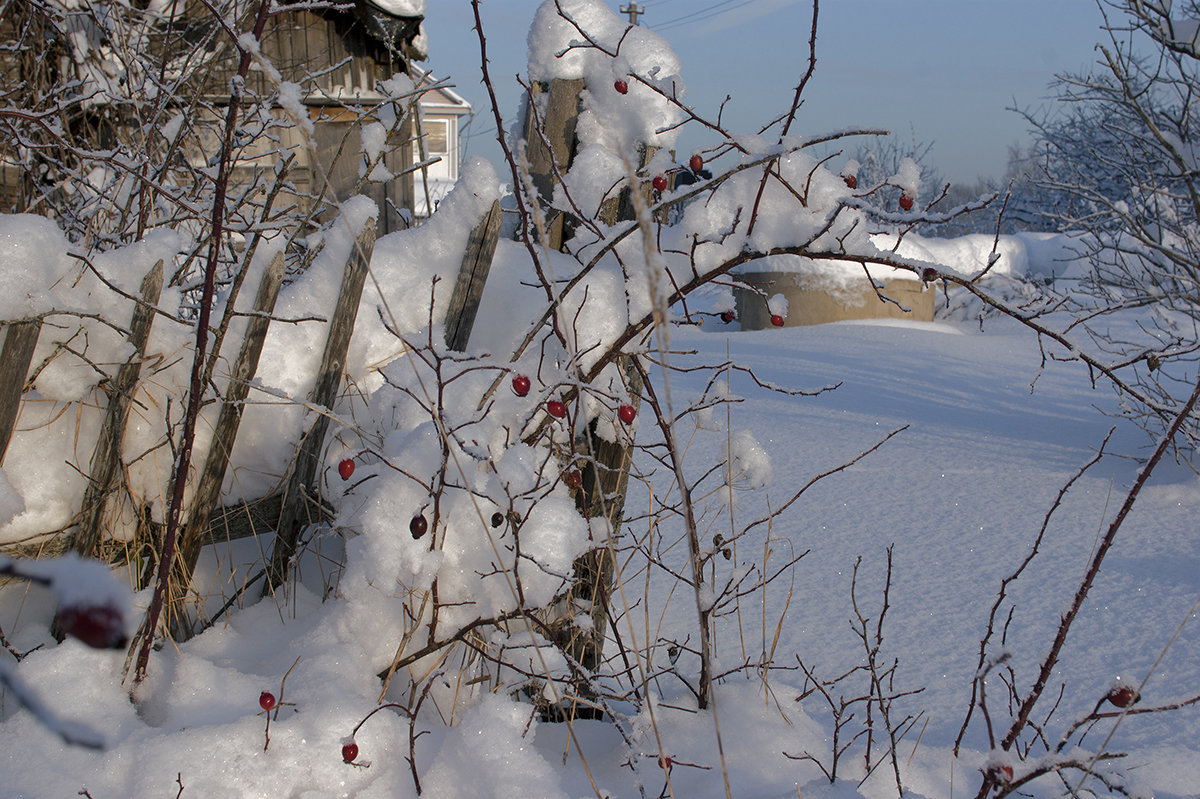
[(558, 130), (472, 276), (605, 480), (602, 495), (19, 343), (106, 458), (329, 378), (192, 535), (620, 208)]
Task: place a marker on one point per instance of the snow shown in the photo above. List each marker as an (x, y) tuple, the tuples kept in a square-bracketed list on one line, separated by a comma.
[(400, 8), (959, 494), (33, 257), (10, 501), (981, 433), (908, 177), (76, 582)]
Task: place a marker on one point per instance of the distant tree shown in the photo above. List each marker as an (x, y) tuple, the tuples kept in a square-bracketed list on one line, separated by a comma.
[(1119, 169), (1030, 206), (880, 157)]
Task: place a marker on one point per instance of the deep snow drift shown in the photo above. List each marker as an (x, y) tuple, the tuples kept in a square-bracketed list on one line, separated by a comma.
[(959, 494)]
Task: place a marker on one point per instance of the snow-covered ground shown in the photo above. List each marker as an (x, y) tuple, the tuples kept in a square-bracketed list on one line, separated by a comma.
[(959, 494), (984, 428)]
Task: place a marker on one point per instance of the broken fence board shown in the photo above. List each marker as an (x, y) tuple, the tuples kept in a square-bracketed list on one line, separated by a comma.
[(472, 276), (329, 378), (106, 458), (551, 152), (19, 343), (224, 434)]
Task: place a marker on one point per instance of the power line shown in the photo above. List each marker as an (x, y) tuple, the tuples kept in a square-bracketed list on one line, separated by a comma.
[(700, 15), (688, 16)]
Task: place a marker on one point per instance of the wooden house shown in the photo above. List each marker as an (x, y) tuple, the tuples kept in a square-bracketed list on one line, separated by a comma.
[(443, 114), (336, 57)]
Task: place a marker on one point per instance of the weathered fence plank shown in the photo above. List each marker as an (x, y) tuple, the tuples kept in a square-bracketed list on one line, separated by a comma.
[(324, 392), (192, 536), (620, 208), (606, 473), (106, 457), (605, 483), (601, 496), (19, 343), (558, 132), (472, 276)]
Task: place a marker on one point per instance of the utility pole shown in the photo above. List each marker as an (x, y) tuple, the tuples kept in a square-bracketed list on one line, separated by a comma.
[(633, 11)]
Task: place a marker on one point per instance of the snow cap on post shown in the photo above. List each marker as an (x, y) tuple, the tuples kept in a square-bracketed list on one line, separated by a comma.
[(587, 40)]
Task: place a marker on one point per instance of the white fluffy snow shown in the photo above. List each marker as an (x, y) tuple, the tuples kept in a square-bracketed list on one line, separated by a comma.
[(400, 8), (455, 501), (959, 494)]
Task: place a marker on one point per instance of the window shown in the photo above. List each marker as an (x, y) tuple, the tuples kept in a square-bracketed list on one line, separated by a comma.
[(437, 136)]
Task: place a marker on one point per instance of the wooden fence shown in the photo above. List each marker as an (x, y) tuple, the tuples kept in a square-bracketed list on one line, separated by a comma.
[(297, 504)]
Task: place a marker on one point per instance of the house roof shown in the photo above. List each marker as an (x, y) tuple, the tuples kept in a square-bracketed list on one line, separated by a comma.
[(443, 98)]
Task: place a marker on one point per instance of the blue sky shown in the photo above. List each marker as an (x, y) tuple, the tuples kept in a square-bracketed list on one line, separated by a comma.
[(941, 71)]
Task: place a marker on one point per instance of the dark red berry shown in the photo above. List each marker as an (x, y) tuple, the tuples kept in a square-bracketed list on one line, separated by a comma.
[(1122, 696), (776, 320), (573, 479), (266, 700), (728, 316), (350, 752), (98, 626), (520, 385), (696, 163), (664, 762), (556, 408), (346, 468), (906, 201), (851, 181), (621, 86), (1001, 773), (929, 274), (418, 527), (659, 183), (497, 519), (626, 414)]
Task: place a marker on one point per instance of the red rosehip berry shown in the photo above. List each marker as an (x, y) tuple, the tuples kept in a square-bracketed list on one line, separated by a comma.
[(350, 752), (520, 385), (98, 626), (626, 414), (418, 527), (346, 468), (851, 181), (659, 183), (497, 519), (728, 316), (621, 86), (266, 700), (1123, 696), (1002, 773), (664, 762), (696, 163), (906, 201), (573, 479), (556, 408), (929, 274), (776, 320)]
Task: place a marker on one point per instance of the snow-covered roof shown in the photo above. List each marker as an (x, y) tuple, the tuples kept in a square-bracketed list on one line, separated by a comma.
[(443, 98), (400, 8)]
